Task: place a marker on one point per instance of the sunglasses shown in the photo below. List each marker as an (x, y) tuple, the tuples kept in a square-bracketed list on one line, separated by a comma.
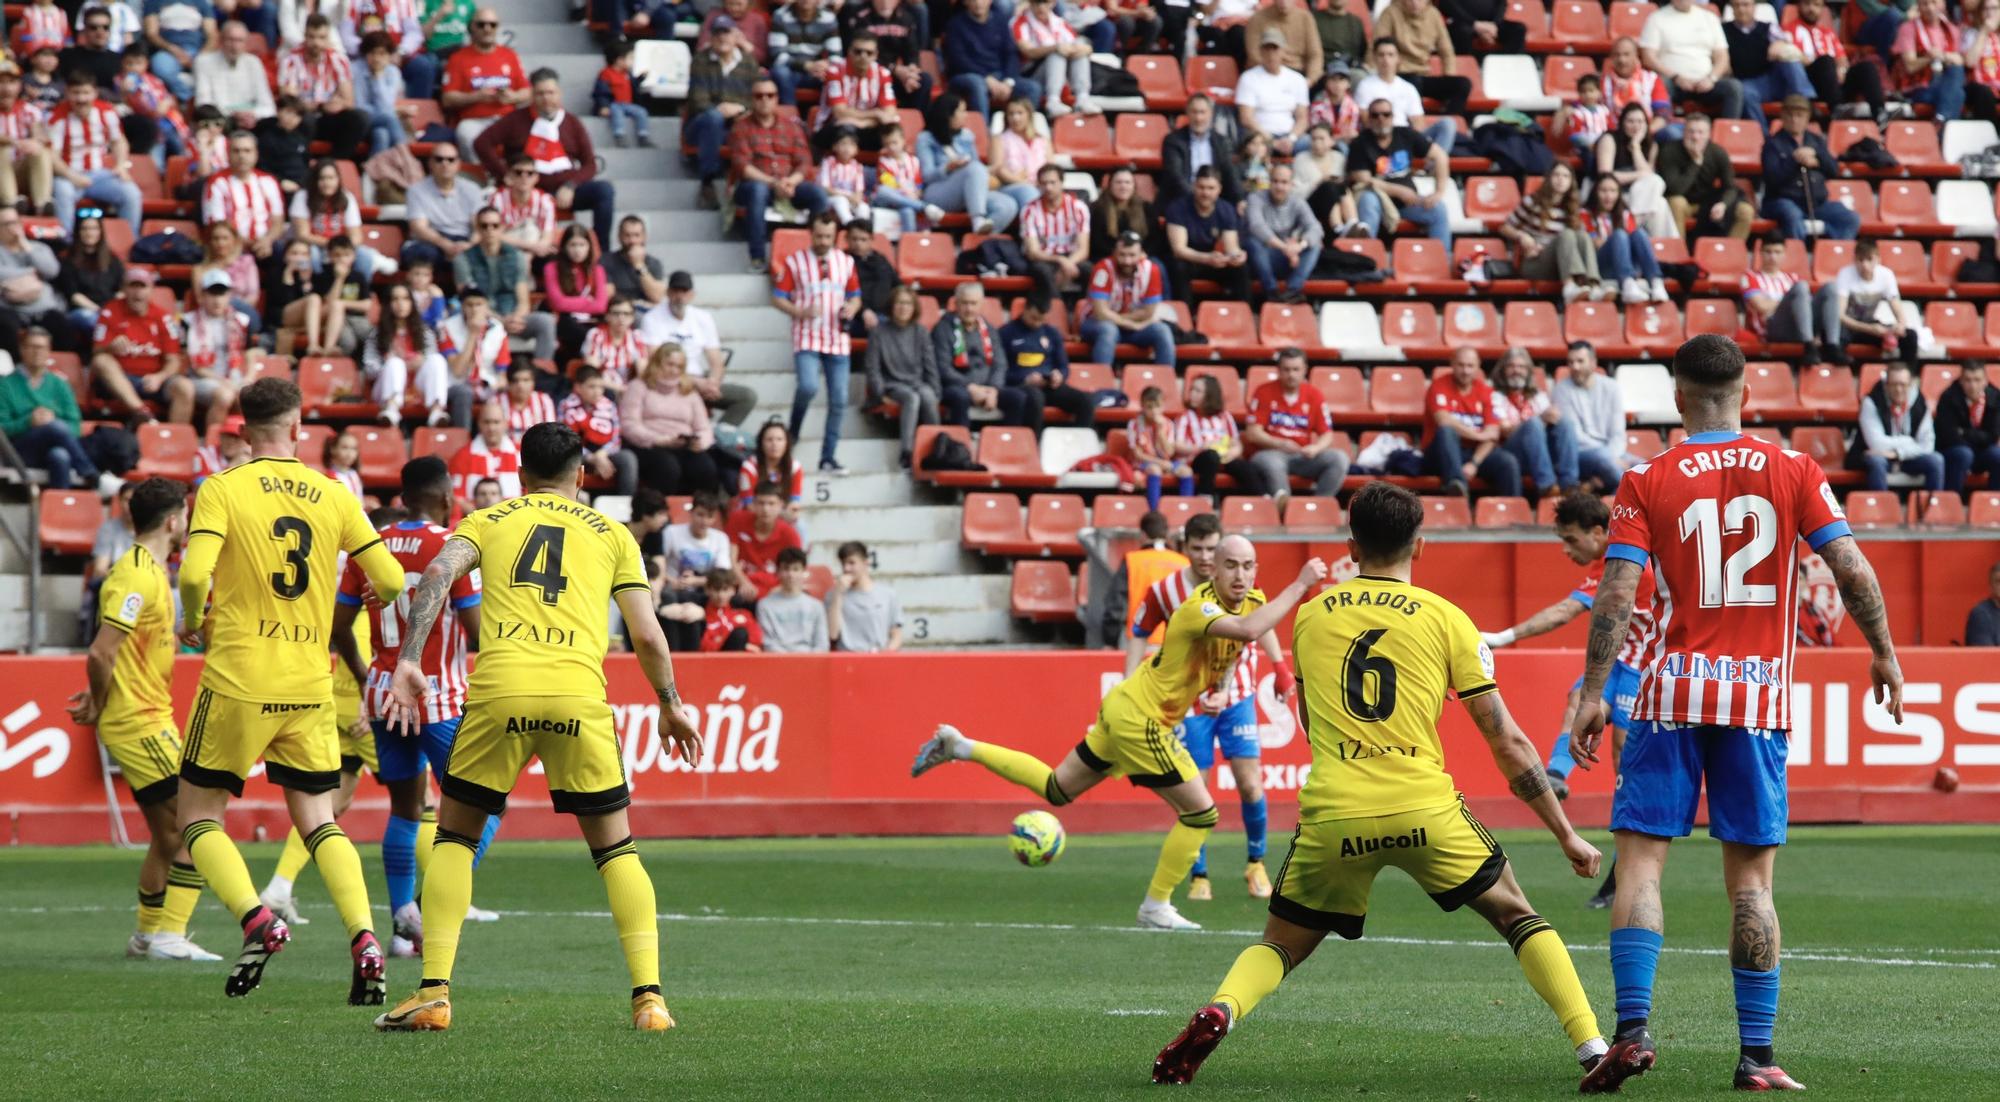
[(486, 23), (444, 160), (489, 225), (1381, 114), (763, 95)]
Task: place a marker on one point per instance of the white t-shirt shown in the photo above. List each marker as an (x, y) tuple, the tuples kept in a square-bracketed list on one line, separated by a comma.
[(1273, 99), (1401, 94), (1864, 297), (1685, 41), (686, 554), (694, 332)]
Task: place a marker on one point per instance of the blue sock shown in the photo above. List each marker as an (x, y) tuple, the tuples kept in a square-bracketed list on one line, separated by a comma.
[(399, 861), (1153, 492), (1187, 486), (1756, 1010), (1256, 817), (1561, 763), (1200, 862), (1635, 956), (485, 839)]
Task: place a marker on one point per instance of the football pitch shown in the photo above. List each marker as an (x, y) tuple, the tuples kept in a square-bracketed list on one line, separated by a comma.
[(938, 968)]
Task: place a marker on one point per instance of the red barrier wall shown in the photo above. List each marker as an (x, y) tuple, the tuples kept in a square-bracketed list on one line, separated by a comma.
[(821, 744)]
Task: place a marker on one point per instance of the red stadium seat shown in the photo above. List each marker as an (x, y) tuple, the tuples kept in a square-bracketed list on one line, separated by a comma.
[(1214, 75), (1533, 324), (325, 381), (1344, 388), (1177, 510), (387, 240), (1228, 324), (441, 442), (1503, 512), (927, 438), (69, 521), (1420, 258), (1722, 258), (1448, 511), (382, 456), (1670, 250), (1053, 522), (1086, 139), (1936, 510), (1935, 380), (1906, 259), (1576, 23), (1138, 137), (1948, 256), (1560, 73), (1012, 453), (1224, 377), (1043, 591), (1873, 509), (1742, 140), (785, 242), (1398, 390), (1644, 443), (1955, 323), (1985, 510), (1771, 388), (1409, 325), (1242, 512), (1368, 248), (1138, 377), (165, 451), (1627, 18), (1858, 195), (1827, 389), (1090, 377), (990, 518), (1314, 512), (929, 260), (1598, 323), (1117, 510), (1843, 133), (1829, 257), (1472, 325), (1257, 376), (1653, 327), (1160, 81), (1284, 325), (1914, 144), (1824, 444), (1716, 316), (1490, 199)]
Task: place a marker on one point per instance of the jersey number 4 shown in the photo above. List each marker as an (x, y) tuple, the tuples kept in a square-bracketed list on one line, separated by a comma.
[(1724, 583), (539, 565), (1362, 664)]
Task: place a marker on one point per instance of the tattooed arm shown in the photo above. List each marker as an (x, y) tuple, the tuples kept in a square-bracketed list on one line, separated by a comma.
[(1861, 594), (1522, 766), (409, 687), (1609, 617)]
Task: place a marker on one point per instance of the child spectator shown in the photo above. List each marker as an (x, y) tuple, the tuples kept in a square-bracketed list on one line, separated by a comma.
[(862, 615), (1334, 107), (611, 97), (791, 620), (758, 534), (615, 348), (595, 418), (772, 465), (284, 145), (1586, 120), (491, 454), (1152, 436), (149, 98), (340, 289), (844, 179), (208, 150), (230, 449), (40, 85), (1254, 162), (698, 546), (899, 181), (378, 88), (474, 343), (728, 628), (341, 461)]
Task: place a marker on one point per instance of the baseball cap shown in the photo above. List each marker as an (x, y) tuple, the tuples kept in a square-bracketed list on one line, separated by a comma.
[(722, 23), (139, 273), (232, 425), (1796, 102), (1131, 237), (1273, 37), (216, 280), (680, 281)]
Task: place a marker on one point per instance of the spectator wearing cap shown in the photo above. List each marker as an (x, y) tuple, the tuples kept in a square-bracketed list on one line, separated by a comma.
[(1194, 145), (28, 171), (1126, 304), (216, 335), (232, 80), (1038, 363), (981, 62), (679, 321), (719, 86), (1968, 427), (1982, 624), (560, 148), (138, 350), (1271, 99), (1282, 236), (1797, 162), (1897, 433), (1290, 434), (746, 20), (441, 209), (230, 450), (770, 160), (39, 415), (27, 269)]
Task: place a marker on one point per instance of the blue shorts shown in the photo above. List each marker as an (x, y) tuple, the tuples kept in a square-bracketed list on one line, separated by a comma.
[(1660, 780), (401, 758), (1235, 727), (1621, 691)]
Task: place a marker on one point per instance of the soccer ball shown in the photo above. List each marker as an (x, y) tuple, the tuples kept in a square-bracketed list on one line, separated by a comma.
[(1037, 839)]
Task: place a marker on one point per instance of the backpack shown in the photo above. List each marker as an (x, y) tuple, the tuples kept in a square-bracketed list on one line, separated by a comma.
[(166, 247), (949, 453), (1870, 152), (1513, 151), (995, 256)]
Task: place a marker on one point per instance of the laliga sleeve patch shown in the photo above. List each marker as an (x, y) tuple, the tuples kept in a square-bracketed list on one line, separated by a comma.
[(128, 611), (1210, 608), (1486, 658), (1101, 279), (1832, 502)]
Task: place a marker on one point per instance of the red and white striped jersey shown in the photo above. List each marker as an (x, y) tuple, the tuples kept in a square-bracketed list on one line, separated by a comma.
[(597, 424), (41, 25), (82, 139), (1644, 87), (850, 177), (539, 408), (1815, 42), (1060, 230), (903, 172), (1029, 31), (746, 480), (863, 90), (1122, 295), (1192, 430), (1590, 120), (415, 543), (18, 123), (1639, 630), (827, 282), (216, 342), (348, 477), (1773, 284), (396, 16), (254, 207), (619, 358), (476, 461), (1719, 517), (537, 210), (1166, 595), (315, 80)]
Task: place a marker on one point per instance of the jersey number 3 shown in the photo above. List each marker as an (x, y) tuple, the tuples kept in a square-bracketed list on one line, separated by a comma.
[(291, 582), (540, 563), (1362, 664)]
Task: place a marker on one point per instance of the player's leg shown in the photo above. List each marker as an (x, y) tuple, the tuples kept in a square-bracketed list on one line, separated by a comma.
[(1256, 973), (437, 739), (1561, 762), (224, 739), (1244, 751), (633, 909), (1197, 734), (182, 889), (153, 877), (1545, 960), (1621, 692), (1070, 778), (1747, 814), (304, 758), (1181, 786), (400, 767), (292, 860), (447, 893)]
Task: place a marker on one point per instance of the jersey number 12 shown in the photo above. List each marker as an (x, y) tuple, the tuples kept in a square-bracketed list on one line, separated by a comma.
[(1724, 582)]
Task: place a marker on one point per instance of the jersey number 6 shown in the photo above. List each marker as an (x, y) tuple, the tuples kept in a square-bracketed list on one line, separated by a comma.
[(1361, 664)]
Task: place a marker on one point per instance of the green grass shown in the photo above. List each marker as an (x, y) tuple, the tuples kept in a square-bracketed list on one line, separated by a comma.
[(937, 968)]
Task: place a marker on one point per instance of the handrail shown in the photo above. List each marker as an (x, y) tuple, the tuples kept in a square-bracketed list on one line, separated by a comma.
[(29, 545)]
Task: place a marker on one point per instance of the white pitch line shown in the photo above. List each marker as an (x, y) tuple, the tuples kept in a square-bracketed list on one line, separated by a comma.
[(1815, 955)]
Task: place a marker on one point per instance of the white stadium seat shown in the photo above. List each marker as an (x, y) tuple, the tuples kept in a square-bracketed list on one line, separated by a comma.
[(1963, 136), (1649, 393), (1514, 80), (1967, 207), (1355, 329)]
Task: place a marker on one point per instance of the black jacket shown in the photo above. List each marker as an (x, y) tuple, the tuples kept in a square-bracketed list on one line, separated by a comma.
[(1785, 178), (1954, 420), (1176, 178), (1879, 397), (878, 278)]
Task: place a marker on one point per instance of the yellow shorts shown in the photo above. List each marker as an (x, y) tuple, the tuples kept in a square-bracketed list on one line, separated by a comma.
[(1325, 881), (225, 737), (1129, 742), (355, 750), (575, 737), (150, 763)]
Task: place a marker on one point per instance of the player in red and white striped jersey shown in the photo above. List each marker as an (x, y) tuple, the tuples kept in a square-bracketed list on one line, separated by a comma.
[(1055, 233), (857, 91), (819, 289), (524, 406), (90, 156), (1228, 712), (249, 200), (404, 744), (1719, 516)]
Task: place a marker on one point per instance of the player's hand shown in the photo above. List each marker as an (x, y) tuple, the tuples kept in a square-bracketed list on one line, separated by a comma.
[(407, 689), (1583, 857), (1312, 573), (1586, 731), (360, 728), (681, 734), (195, 639), (1887, 679), (83, 708)]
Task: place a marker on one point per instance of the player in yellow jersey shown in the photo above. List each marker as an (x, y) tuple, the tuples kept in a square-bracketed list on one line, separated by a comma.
[(130, 702), (267, 533), (551, 567), (1375, 659), (1134, 734)]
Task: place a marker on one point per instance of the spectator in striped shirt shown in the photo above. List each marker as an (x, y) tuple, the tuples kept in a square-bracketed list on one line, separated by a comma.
[(154, 123), (1205, 434), (28, 169), (1051, 49), (845, 179), (1547, 233), (318, 73), (92, 160), (524, 404), (1055, 235), (249, 201), (1779, 306), (1126, 299), (805, 38), (1586, 120), (898, 182), (817, 288), (859, 93), (594, 416), (1836, 78), (615, 349), (527, 214)]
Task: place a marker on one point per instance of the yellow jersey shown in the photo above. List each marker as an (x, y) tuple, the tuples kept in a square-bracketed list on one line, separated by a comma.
[(1189, 660), (551, 567), (1375, 658), (271, 531), (138, 600)]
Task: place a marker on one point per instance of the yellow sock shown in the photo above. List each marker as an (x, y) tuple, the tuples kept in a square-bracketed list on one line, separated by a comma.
[(1545, 961), (633, 909), (149, 910), (183, 891), (1178, 852), (1025, 770), (221, 865), (427, 833), (292, 862), (447, 893), (1257, 972), (340, 867)]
